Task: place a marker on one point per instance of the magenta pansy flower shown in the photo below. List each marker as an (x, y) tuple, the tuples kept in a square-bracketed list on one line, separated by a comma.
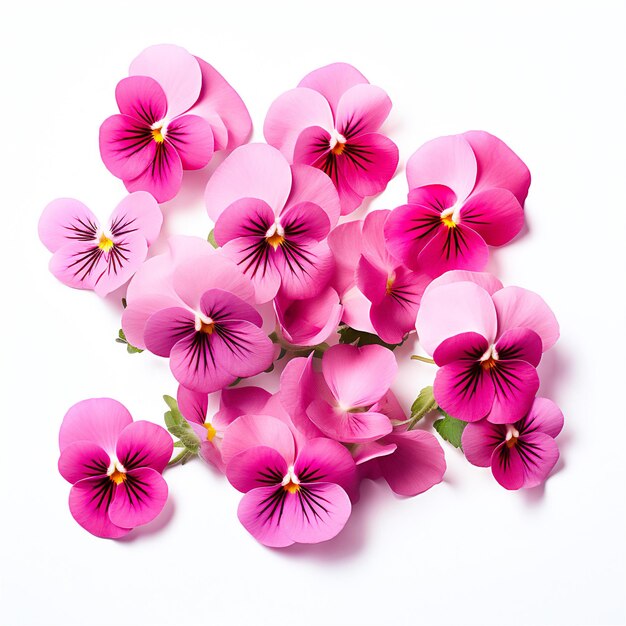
[(521, 454), (465, 192), (233, 403), (272, 219), (87, 255), (292, 495), (114, 466), (487, 341), (331, 121), (175, 110)]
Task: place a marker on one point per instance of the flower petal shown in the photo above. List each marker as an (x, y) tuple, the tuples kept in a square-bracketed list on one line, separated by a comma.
[(83, 459), (144, 444), (362, 109), (345, 242), (261, 511), (192, 404), (239, 401), (66, 220), (464, 346), (480, 439), (544, 416), (137, 212), (165, 328), (520, 343), (192, 138), (371, 280), (516, 383), (260, 466), (141, 97), (507, 467), (539, 454), (222, 305)]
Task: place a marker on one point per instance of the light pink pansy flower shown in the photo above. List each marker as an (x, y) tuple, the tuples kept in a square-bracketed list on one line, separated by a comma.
[(331, 121), (90, 256), (520, 454), (487, 341), (292, 494), (465, 192), (175, 110), (273, 219), (114, 466)]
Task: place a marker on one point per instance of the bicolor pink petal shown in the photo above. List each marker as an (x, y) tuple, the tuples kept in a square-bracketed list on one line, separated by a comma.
[(362, 109), (305, 221), (259, 513), (519, 343), (345, 242), (135, 316), (78, 264), (515, 383), (175, 70), (480, 439), (165, 328), (142, 98), (83, 459), (242, 218), (305, 268), (220, 305), (97, 420), (238, 401), (137, 213), (144, 444), (539, 454), (192, 404), (192, 137), (544, 417), (256, 467), (139, 498), (468, 347), (66, 220)]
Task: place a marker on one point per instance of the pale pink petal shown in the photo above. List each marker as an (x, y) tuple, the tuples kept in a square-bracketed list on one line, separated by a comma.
[(372, 281), (498, 165), (450, 309), (66, 220), (221, 306), (332, 81), (139, 310), (259, 513), (545, 417), (83, 459), (291, 113), (177, 71), (480, 439), (138, 212), (144, 444), (89, 503), (448, 161), (165, 328), (374, 244), (390, 406), (323, 460), (417, 464), (358, 377), (507, 467), (345, 242), (362, 109), (252, 171), (97, 420), (256, 467), (192, 137), (141, 97), (139, 498), (356, 311), (251, 431), (515, 383), (520, 343), (520, 308), (239, 401), (487, 281), (192, 404)]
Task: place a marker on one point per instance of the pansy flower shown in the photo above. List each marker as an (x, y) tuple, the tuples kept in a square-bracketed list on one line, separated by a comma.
[(87, 255), (114, 466), (465, 192), (273, 219), (175, 110), (521, 454), (487, 341), (331, 121), (292, 494)]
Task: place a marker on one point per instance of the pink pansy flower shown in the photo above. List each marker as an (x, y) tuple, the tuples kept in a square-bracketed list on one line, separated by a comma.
[(291, 495), (520, 454), (90, 256), (273, 219), (466, 191), (233, 403), (487, 341), (331, 121), (175, 110), (114, 466)]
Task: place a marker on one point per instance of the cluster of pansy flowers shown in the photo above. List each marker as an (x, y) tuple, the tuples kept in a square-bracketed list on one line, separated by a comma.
[(286, 275)]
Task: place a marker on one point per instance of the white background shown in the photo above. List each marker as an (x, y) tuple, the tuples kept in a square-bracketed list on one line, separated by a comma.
[(548, 78)]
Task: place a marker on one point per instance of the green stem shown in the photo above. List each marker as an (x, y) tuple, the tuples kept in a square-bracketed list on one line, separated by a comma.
[(423, 359), (181, 457)]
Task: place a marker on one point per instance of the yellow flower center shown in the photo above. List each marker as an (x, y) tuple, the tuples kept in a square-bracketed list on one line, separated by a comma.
[(291, 487), (275, 240), (207, 328), (338, 148), (290, 483), (158, 134), (390, 280), (117, 477), (105, 244), (210, 431)]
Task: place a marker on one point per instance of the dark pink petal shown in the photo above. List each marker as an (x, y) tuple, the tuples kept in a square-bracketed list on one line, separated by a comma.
[(165, 328), (192, 404), (362, 109), (332, 81), (495, 214), (141, 97), (222, 306), (222, 106), (358, 377), (480, 439), (260, 466), (448, 161), (498, 165), (252, 171), (312, 148), (137, 213), (515, 384), (507, 467), (144, 444), (345, 243), (454, 248), (251, 431), (544, 417), (372, 281), (260, 514), (323, 460), (177, 71), (291, 113), (305, 221), (349, 427), (192, 137), (83, 459), (417, 464), (364, 452), (138, 311), (89, 501), (519, 343), (520, 308), (127, 146), (139, 498), (538, 453), (464, 390), (464, 346), (163, 176), (66, 220), (246, 217), (240, 401), (97, 420)]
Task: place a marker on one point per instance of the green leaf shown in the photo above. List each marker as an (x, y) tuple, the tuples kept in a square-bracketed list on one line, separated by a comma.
[(121, 338), (361, 338), (179, 427), (211, 239), (450, 429), (424, 404), (171, 403)]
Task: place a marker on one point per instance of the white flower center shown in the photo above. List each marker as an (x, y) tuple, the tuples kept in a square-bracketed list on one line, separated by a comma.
[(116, 471)]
